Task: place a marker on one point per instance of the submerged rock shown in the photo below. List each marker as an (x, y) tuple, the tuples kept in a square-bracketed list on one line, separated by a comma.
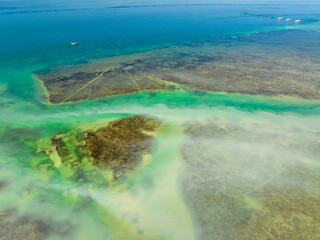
[(121, 145), (119, 148)]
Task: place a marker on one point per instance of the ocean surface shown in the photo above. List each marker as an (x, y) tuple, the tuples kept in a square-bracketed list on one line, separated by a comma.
[(224, 165)]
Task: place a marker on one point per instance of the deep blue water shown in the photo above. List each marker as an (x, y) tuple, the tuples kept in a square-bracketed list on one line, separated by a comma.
[(106, 28)]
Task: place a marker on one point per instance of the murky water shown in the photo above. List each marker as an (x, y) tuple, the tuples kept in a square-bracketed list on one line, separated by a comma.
[(223, 165)]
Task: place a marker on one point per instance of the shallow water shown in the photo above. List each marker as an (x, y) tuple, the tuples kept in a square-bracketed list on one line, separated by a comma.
[(223, 166)]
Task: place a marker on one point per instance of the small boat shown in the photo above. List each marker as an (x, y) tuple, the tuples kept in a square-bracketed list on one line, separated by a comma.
[(288, 19), (280, 18), (258, 15), (265, 16), (271, 17), (245, 13), (297, 21), (74, 43)]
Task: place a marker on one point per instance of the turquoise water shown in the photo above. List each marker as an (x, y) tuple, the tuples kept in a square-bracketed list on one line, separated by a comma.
[(278, 137)]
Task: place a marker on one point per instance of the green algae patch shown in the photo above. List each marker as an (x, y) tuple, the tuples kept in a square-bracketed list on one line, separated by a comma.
[(121, 145), (101, 155)]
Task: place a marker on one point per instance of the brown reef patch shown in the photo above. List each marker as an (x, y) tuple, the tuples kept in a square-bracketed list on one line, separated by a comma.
[(114, 80), (119, 148), (121, 145)]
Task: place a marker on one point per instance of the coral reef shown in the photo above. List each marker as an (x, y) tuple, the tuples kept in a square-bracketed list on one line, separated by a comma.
[(247, 64), (121, 145), (118, 148)]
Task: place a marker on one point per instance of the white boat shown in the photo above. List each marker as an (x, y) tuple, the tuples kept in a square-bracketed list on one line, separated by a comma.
[(280, 18), (288, 19), (74, 43), (297, 21)]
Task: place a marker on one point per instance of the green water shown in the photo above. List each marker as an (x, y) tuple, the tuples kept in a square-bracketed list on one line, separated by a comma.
[(221, 162), (149, 203)]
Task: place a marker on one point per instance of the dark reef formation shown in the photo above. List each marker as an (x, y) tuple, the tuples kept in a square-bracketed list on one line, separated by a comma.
[(105, 83), (271, 63), (121, 145)]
